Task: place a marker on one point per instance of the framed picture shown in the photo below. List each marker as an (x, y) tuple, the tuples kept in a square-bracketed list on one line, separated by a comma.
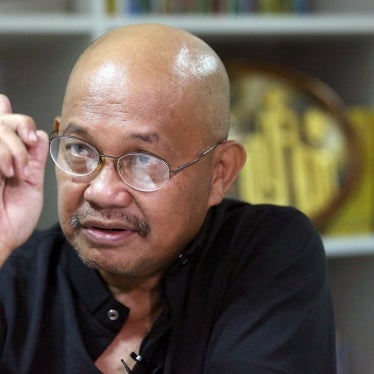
[(301, 150)]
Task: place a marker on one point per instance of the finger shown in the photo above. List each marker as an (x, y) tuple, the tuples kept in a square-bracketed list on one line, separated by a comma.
[(6, 165), (5, 106), (13, 154), (37, 160), (22, 125), (21, 162), (39, 152)]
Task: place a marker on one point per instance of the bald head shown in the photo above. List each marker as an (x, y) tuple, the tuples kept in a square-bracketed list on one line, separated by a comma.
[(163, 62)]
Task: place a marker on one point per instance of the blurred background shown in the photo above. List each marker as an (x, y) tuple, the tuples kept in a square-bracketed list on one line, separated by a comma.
[(302, 104)]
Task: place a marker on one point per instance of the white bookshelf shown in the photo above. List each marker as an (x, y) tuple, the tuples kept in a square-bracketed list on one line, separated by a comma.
[(335, 43), (217, 26), (290, 26), (359, 245), (46, 24)]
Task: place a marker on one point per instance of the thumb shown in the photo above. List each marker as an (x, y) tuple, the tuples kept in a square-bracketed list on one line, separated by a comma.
[(5, 106)]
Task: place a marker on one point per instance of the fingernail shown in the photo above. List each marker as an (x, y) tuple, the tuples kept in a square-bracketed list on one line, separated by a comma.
[(26, 171), (32, 136), (10, 171)]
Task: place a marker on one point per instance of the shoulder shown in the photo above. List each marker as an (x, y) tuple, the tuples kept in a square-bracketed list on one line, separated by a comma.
[(273, 285), (262, 224), (242, 212), (251, 238)]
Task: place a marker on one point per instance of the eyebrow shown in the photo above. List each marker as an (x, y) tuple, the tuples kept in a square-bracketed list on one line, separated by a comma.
[(152, 137), (72, 128)]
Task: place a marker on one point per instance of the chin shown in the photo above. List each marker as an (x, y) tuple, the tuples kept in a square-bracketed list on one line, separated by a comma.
[(114, 265)]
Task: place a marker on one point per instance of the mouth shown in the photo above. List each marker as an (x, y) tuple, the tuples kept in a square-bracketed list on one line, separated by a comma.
[(104, 236), (109, 233)]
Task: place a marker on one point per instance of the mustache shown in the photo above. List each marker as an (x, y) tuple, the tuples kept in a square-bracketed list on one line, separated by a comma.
[(130, 220)]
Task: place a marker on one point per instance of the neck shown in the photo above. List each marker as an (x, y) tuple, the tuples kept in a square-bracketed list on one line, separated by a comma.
[(141, 296)]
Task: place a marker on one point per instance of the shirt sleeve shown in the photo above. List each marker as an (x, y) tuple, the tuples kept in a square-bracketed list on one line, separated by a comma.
[(277, 315)]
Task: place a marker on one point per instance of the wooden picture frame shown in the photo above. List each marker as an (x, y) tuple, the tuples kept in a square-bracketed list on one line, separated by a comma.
[(301, 148)]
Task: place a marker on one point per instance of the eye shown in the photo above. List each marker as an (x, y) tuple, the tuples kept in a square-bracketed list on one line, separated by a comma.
[(144, 159), (79, 149)]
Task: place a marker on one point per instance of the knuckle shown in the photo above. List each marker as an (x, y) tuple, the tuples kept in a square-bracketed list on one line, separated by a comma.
[(16, 121), (6, 158)]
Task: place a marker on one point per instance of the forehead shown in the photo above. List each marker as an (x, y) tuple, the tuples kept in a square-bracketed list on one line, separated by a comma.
[(104, 78), (114, 124), (126, 88), (111, 97)]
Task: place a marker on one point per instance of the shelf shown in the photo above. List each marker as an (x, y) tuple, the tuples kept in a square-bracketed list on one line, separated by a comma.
[(46, 24), (220, 26), (255, 25), (346, 246)]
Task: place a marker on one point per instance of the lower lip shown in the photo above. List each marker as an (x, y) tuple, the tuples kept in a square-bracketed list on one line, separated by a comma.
[(107, 237)]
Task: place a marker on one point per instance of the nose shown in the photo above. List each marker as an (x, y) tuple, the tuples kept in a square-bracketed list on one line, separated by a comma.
[(106, 188)]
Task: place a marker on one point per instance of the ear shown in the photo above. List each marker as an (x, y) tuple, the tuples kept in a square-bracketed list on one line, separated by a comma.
[(56, 124), (229, 158)]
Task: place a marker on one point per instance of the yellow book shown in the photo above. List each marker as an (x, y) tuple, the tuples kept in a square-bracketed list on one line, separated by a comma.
[(111, 6)]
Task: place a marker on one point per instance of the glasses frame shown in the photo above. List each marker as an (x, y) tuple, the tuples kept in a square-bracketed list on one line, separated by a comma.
[(102, 157)]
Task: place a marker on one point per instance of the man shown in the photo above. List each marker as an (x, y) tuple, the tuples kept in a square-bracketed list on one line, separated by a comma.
[(167, 276)]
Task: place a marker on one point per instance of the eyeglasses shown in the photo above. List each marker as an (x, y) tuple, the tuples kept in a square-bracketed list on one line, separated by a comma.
[(140, 171)]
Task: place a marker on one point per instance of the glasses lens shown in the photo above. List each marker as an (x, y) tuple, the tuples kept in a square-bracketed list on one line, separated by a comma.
[(143, 172), (73, 155)]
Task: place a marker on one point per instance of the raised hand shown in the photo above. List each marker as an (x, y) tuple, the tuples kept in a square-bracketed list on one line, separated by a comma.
[(23, 154)]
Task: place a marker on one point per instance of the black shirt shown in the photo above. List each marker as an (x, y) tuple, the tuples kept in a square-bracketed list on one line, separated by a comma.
[(250, 294)]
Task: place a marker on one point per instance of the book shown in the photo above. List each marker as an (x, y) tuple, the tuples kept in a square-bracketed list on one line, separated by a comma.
[(205, 6)]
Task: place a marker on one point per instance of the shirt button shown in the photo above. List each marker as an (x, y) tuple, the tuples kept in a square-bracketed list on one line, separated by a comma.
[(183, 260), (113, 314)]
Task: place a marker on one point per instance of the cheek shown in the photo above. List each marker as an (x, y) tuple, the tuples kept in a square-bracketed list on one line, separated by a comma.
[(69, 199), (180, 211)]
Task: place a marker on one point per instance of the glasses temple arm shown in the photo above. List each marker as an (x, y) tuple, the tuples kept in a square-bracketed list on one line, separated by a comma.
[(181, 167)]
